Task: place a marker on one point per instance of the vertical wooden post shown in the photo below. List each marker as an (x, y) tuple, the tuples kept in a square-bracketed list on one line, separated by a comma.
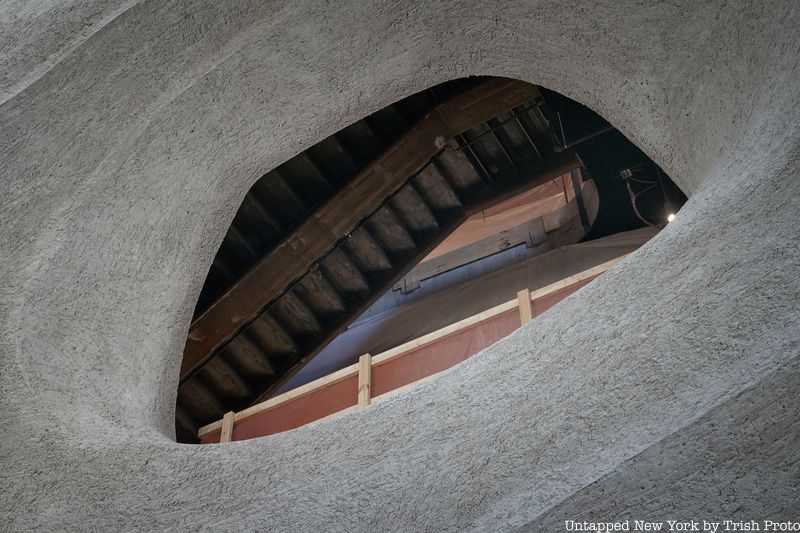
[(525, 306), (564, 186), (576, 186), (227, 427), (364, 379)]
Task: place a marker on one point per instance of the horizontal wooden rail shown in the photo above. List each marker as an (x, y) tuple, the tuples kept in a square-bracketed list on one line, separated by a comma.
[(363, 395)]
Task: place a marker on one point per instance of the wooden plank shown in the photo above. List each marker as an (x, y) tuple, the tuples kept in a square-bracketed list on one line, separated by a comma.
[(447, 331), (364, 379), (572, 280), (524, 295), (479, 104), (420, 342), (530, 233), (287, 396), (342, 213), (525, 306), (444, 332), (227, 427)]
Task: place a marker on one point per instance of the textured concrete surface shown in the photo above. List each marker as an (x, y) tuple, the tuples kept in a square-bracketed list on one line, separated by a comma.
[(130, 132)]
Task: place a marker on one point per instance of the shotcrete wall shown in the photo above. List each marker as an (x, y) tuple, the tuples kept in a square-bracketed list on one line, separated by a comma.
[(129, 133)]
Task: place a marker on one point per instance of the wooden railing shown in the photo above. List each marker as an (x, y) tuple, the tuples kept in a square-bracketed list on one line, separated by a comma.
[(373, 378)]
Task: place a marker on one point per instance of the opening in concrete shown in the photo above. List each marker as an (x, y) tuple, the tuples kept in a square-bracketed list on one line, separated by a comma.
[(405, 243)]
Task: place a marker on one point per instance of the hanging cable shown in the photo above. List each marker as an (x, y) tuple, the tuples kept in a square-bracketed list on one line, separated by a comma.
[(626, 174)]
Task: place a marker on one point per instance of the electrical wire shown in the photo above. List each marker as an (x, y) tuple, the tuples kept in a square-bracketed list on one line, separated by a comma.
[(634, 195)]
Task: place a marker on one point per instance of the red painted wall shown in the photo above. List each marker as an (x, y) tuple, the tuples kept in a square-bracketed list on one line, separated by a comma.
[(541, 305), (389, 376), (442, 354), (295, 413)]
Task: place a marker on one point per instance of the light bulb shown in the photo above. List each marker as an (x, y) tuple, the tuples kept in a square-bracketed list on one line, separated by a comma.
[(670, 217)]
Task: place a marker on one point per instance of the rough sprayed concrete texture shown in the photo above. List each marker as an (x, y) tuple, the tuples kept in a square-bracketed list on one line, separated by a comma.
[(711, 454), (128, 140)]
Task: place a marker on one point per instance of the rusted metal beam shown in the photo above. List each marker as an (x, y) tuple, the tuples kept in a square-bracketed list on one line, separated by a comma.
[(342, 213)]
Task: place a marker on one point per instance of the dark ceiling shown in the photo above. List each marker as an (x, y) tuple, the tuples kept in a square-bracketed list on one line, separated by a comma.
[(605, 155)]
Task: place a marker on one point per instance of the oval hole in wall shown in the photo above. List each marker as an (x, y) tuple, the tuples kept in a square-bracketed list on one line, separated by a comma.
[(367, 240)]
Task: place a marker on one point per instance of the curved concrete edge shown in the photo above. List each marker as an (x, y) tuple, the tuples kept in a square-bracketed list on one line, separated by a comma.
[(125, 164), (736, 461)]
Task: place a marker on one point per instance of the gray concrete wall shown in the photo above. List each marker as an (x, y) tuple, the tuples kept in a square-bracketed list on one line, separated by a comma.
[(129, 133)]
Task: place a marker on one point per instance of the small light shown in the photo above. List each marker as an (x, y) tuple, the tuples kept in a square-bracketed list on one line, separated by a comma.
[(670, 217)]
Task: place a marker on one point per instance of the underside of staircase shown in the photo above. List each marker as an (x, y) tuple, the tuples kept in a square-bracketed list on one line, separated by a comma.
[(320, 238)]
